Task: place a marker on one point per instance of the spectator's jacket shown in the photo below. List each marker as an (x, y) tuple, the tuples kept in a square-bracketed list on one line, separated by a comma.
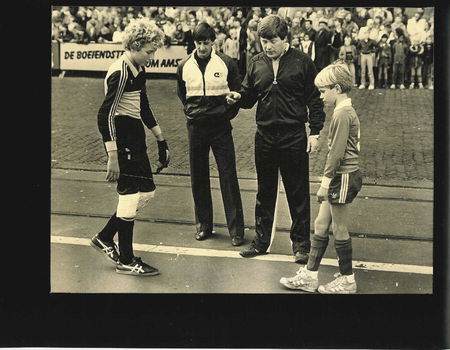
[(428, 53), (125, 94), (415, 55), (400, 52), (384, 52), (285, 99), (202, 92)]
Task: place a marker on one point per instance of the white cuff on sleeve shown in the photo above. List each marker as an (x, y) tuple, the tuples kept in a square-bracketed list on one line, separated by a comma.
[(111, 146), (325, 182)]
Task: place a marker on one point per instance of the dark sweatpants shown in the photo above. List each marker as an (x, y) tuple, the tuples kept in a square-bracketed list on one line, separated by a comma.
[(201, 140), (285, 149)]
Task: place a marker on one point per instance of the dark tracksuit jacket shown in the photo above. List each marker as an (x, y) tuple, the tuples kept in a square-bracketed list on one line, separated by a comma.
[(120, 121), (285, 103), (201, 88)]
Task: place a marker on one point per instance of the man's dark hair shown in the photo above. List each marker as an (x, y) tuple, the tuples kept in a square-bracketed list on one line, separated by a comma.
[(204, 32), (273, 26)]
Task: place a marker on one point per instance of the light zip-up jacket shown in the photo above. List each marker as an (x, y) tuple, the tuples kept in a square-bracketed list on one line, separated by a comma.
[(203, 93)]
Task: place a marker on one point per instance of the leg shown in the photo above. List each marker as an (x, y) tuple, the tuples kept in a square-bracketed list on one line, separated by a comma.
[(294, 165), (223, 149), (320, 238), (370, 70), (199, 148), (363, 70), (267, 173)]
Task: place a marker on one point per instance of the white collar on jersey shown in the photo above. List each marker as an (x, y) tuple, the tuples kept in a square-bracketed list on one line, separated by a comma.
[(131, 65), (345, 103)]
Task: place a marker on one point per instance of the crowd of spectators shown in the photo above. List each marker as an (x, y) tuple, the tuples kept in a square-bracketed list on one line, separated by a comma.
[(392, 46)]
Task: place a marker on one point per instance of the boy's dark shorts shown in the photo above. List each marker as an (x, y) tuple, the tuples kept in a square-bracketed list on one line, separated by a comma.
[(344, 187), (135, 172)]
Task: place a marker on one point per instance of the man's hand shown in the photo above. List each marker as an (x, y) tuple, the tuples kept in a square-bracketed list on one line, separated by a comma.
[(164, 156), (232, 97), (112, 169), (313, 144), (322, 194)]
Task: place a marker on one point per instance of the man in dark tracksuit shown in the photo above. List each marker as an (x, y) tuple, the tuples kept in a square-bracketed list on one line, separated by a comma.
[(281, 80), (204, 79)]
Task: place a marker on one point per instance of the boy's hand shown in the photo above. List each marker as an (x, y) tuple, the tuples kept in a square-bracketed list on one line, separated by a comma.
[(232, 97), (112, 169), (164, 156), (322, 194)]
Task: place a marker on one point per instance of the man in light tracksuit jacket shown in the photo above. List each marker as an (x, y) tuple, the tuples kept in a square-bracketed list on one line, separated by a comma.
[(205, 78)]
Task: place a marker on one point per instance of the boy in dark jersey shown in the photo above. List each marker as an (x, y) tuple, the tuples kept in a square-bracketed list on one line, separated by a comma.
[(121, 120), (341, 183)]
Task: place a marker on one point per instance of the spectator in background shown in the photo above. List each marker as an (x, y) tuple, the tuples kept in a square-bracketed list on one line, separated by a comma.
[(322, 43), (178, 35), (399, 11), (362, 18), (231, 45), (337, 39), (428, 62), (169, 29), (189, 38), (253, 40), (348, 25), (367, 47), (293, 37), (118, 34), (241, 33), (384, 58), (105, 35), (349, 54), (399, 52), (308, 29), (94, 26), (414, 25), (221, 37), (308, 46), (425, 32), (415, 61)]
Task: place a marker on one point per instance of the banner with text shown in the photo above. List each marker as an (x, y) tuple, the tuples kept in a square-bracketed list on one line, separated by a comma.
[(98, 57)]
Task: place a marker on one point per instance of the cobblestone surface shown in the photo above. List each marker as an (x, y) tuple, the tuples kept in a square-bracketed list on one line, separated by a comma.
[(396, 131)]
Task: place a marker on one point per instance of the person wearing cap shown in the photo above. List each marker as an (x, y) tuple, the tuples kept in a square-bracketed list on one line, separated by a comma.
[(281, 81), (322, 43)]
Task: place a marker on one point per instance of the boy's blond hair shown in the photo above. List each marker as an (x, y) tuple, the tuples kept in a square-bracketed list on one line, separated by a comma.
[(140, 32), (336, 73)]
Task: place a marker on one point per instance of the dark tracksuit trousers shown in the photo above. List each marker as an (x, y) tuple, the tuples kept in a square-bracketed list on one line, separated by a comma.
[(219, 139), (282, 148)]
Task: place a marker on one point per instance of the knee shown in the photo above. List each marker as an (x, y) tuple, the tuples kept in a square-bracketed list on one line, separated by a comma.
[(127, 206), (321, 226), (144, 198), (340, 231)]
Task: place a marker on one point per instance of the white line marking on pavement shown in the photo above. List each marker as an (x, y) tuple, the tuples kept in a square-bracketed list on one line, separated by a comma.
[(215, 253)]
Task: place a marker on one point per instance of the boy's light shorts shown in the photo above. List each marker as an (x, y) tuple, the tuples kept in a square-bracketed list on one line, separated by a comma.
[(344, 187)]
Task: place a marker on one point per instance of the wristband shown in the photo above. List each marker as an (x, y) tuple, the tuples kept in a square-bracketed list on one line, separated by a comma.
[(325, 182), (111, 146)]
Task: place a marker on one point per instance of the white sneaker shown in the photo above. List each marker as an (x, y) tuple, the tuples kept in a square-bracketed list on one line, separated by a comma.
[(362, 86), (339, 286), (411, 86), (393, 86), (402, 87), (371, 87), (430, 87), (303, 280), (420, 86)]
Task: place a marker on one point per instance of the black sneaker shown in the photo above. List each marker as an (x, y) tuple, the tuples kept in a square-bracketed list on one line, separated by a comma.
[(109, 250), (136, 268), (251, 252)]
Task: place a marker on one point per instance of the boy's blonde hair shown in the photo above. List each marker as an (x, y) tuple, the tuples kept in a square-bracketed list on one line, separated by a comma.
[(140, 32), (336, 73)]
